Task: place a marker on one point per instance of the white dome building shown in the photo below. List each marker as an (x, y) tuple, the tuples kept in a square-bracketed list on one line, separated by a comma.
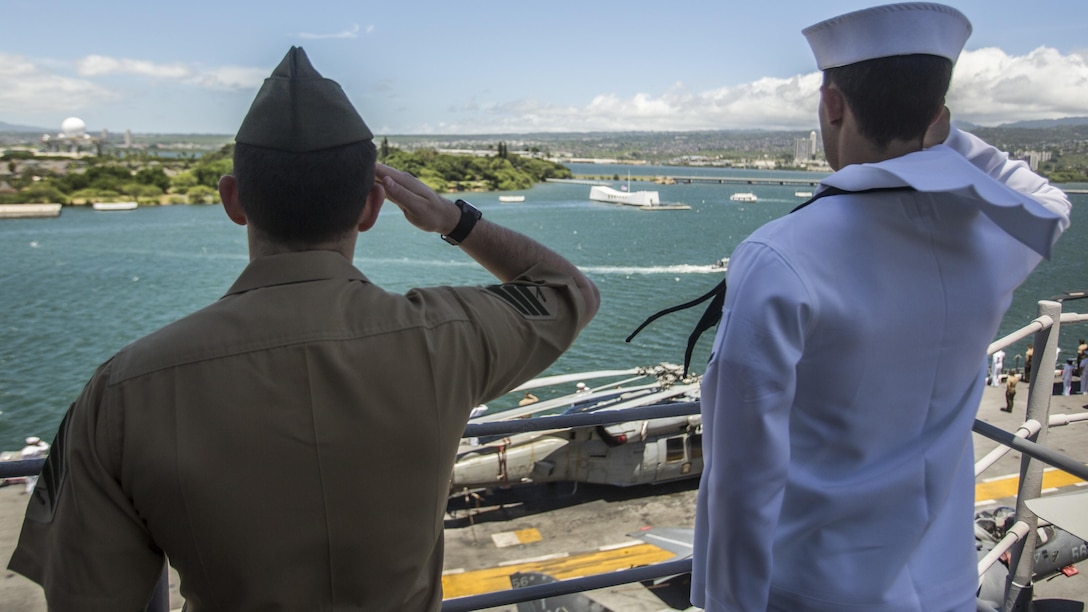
[(73, 127)]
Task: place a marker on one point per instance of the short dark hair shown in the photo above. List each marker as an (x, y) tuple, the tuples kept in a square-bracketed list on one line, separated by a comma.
[(304, 198), (893, 98)]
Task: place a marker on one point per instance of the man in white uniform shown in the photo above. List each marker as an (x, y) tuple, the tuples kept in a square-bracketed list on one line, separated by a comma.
[(1067, 377), (826, 485), (998, 366)]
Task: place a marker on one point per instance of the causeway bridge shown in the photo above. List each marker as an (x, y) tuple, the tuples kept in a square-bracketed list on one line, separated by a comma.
[(744, 180), (733, 180), (680, 180)]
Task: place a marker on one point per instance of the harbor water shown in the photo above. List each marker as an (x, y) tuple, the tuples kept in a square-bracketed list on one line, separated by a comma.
[(78, 287)]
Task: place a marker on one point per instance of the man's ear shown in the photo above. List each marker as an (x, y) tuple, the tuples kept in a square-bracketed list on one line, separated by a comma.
[(228, 192), (374, 200), (834, 105)]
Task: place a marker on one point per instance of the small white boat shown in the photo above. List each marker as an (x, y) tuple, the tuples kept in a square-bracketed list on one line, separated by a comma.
[(29, 211), (114, 205), (507, 199), (803, 194), (744, 196)]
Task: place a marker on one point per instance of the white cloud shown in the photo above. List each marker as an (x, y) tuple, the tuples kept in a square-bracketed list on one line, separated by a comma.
[(230, 77), (221, 77), (769, 103), (99, 65), (26, 86), (989, 87), (353, 32)]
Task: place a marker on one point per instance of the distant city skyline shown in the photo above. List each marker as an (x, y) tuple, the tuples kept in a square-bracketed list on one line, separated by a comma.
[(489, 67)]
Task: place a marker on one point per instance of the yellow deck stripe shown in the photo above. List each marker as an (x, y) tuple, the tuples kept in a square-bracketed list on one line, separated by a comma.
[(598, 562), (1007, 487), (492, 579)]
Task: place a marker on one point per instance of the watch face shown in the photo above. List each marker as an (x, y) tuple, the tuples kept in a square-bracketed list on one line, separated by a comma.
[(469, 208), (469, 216)]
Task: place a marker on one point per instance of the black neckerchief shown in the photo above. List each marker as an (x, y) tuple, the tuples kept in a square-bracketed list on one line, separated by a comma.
[(713, 313)]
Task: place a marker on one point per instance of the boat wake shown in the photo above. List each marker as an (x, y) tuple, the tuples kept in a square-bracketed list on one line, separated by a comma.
[(673, 269), (621, 270)]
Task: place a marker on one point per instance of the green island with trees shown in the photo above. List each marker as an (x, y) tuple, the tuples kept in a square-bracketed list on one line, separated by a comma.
[(185, 169), (149, 179)]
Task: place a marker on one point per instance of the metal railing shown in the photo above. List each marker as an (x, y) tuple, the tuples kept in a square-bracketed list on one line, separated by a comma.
[(1029, 440)]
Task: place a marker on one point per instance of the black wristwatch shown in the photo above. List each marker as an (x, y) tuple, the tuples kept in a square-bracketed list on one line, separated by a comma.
[(469, 216)]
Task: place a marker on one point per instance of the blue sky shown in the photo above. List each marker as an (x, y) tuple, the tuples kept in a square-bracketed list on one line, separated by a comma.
[(477, 67)]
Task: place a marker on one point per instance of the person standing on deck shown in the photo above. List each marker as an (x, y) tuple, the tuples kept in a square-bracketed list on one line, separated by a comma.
[(1010, 391), (822, 491), (1067, 377), (998, 366), (289, 446), (1083, 369)]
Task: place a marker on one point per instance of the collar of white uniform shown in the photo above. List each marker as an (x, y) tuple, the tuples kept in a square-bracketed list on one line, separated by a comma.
[(940, 169)]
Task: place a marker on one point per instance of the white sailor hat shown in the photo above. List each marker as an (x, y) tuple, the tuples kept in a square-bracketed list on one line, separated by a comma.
[(884, 31), (32, 440)]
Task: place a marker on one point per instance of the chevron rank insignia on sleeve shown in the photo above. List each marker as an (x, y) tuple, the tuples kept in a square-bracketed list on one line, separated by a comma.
[(531, 301)]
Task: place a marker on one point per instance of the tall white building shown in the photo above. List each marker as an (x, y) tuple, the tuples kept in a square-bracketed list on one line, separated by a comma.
[(804, 149)]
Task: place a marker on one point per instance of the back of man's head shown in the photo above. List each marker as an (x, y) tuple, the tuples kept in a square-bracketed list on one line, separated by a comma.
[(893, 98), (304, 198), (893, 64), (304, 158)]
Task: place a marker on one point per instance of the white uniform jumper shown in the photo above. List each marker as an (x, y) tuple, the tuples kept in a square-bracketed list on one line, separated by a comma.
[(828, 484)]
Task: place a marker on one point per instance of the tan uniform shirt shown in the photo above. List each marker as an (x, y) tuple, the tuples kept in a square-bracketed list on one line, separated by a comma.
[(288, 447)]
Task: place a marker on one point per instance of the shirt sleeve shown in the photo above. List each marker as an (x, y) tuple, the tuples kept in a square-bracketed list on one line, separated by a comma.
[(1015, 174), (525, 325), (747, 394), (82, 540)]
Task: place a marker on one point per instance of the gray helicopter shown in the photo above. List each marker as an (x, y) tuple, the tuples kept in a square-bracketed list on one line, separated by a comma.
[(623, 454)]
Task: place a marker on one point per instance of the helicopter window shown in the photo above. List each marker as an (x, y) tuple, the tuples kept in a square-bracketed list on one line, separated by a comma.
[(674, 449), (696, 446)]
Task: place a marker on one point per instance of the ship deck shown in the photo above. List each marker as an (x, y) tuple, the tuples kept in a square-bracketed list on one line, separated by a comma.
[(572, 530)]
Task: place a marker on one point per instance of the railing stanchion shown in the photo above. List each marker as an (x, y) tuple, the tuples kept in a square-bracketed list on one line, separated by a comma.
[(1020, 588)]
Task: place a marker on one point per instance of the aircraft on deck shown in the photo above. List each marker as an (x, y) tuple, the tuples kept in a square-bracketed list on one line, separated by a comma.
[(574, 602), (1056, 552), (623, 454)]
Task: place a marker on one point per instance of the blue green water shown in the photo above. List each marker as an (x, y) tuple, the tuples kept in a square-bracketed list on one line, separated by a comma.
[(78, 287)]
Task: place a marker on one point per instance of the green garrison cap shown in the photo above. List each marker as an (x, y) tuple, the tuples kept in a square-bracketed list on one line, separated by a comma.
[(298, 110)]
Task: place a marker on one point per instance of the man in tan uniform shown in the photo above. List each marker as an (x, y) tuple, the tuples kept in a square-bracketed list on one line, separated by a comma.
[(289, 446)]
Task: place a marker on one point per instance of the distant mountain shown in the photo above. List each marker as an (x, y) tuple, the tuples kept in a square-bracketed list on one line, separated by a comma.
[(12, 128), (1047, 123)]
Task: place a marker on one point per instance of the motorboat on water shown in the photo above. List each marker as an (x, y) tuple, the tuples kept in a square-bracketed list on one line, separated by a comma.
[(114, 205), (744, 196), (803, 194), (510, 199)]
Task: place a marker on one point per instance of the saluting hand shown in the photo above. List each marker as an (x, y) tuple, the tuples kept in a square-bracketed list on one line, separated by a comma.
[(422, 207)]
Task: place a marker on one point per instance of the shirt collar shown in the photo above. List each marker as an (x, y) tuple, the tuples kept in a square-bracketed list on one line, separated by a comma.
[(941, 169), (296, 267)]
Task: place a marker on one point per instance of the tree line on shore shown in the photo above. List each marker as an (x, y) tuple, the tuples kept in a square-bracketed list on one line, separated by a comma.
[(152, 180)]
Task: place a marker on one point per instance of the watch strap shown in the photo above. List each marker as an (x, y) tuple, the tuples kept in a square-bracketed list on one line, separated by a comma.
[(469, 216)]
